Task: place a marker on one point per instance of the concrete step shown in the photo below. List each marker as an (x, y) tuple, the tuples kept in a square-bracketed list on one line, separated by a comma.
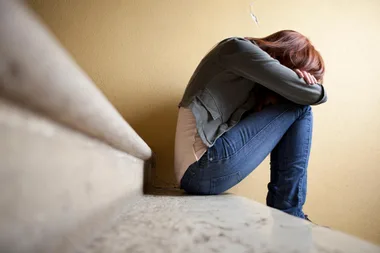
[(69, 162), (59, 187), (224, 223)]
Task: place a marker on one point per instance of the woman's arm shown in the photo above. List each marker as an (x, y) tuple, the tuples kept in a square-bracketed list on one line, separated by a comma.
[(246, 59)]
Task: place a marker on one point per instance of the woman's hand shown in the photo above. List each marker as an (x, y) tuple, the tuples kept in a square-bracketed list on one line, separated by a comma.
[(265, 97), (309, 78), (270, 99)]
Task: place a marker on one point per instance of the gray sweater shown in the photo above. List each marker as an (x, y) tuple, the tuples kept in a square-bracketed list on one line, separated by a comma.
[(221, 88)]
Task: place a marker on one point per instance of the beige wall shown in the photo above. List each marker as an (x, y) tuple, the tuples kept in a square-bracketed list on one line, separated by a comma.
[(142, 53)]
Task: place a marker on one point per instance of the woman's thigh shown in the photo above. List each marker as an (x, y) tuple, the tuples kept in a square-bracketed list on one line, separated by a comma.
[(240, 150)]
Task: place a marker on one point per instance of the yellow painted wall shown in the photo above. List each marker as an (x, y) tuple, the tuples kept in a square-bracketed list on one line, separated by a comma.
[(142, 53)]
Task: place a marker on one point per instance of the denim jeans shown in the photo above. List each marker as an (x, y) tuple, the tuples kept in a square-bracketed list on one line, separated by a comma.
[(284, 131)]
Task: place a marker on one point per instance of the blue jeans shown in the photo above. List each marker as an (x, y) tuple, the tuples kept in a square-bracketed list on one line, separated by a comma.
[(284, 131)]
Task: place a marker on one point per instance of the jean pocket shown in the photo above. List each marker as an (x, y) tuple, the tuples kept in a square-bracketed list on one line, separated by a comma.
[(213, 155), (222, 184)]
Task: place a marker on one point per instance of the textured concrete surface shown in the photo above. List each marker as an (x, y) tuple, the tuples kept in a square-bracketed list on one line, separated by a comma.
[(141, 54), (59, 188), (36, 71), (225, 223)]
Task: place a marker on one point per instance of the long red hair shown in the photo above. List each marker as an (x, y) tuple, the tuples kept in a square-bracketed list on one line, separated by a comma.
[(294, 51)]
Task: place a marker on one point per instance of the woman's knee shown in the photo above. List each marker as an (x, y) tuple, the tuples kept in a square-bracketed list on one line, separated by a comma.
[(306, 108), (303, 110), (307, 111)]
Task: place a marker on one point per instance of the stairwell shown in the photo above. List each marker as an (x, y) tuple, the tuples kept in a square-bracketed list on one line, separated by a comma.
[(73, 172)]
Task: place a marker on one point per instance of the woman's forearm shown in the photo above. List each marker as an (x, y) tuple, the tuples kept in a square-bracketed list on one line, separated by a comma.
[(247, 60)]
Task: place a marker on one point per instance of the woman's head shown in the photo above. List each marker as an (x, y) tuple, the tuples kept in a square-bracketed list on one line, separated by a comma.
[(294, 51)]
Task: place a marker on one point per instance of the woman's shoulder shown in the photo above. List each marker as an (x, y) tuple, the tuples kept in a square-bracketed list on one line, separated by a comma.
[(235, 44), (233, 40)]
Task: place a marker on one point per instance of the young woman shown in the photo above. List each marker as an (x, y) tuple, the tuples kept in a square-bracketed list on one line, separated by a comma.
[(249, 98)]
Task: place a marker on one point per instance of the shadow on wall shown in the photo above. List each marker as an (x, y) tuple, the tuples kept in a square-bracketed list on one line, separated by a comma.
[(157, 127)]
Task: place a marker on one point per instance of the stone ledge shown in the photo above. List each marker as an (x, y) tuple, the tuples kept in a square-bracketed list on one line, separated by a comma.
[(59, 187), (37, 72), (224, 223)]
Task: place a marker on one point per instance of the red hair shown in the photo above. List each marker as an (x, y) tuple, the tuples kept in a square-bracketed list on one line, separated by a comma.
[(294, 51)]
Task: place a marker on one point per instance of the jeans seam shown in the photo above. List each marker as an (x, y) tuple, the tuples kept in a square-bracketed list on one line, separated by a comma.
[(214, 180), (300, 183), (231, 155)]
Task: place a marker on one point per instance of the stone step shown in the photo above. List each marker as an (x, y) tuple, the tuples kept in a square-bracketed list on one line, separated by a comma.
[(59, 187), (224, 223)]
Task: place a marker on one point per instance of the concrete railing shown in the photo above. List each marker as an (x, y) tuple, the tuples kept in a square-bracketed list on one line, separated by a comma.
[(37, 72), (68, 161), (59, 188)]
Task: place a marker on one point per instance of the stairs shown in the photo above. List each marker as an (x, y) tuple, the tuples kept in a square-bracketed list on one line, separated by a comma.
[(224, 223), (68, 161), (72, 171), (58, 186)]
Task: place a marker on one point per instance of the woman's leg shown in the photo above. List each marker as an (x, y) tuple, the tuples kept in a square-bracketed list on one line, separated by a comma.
[(289, 161), (239, 151)]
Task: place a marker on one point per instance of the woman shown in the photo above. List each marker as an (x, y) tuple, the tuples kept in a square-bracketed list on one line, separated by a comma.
[(249, 98)]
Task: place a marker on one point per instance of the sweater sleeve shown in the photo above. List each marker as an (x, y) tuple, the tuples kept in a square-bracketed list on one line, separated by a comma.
[(246, 59)]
